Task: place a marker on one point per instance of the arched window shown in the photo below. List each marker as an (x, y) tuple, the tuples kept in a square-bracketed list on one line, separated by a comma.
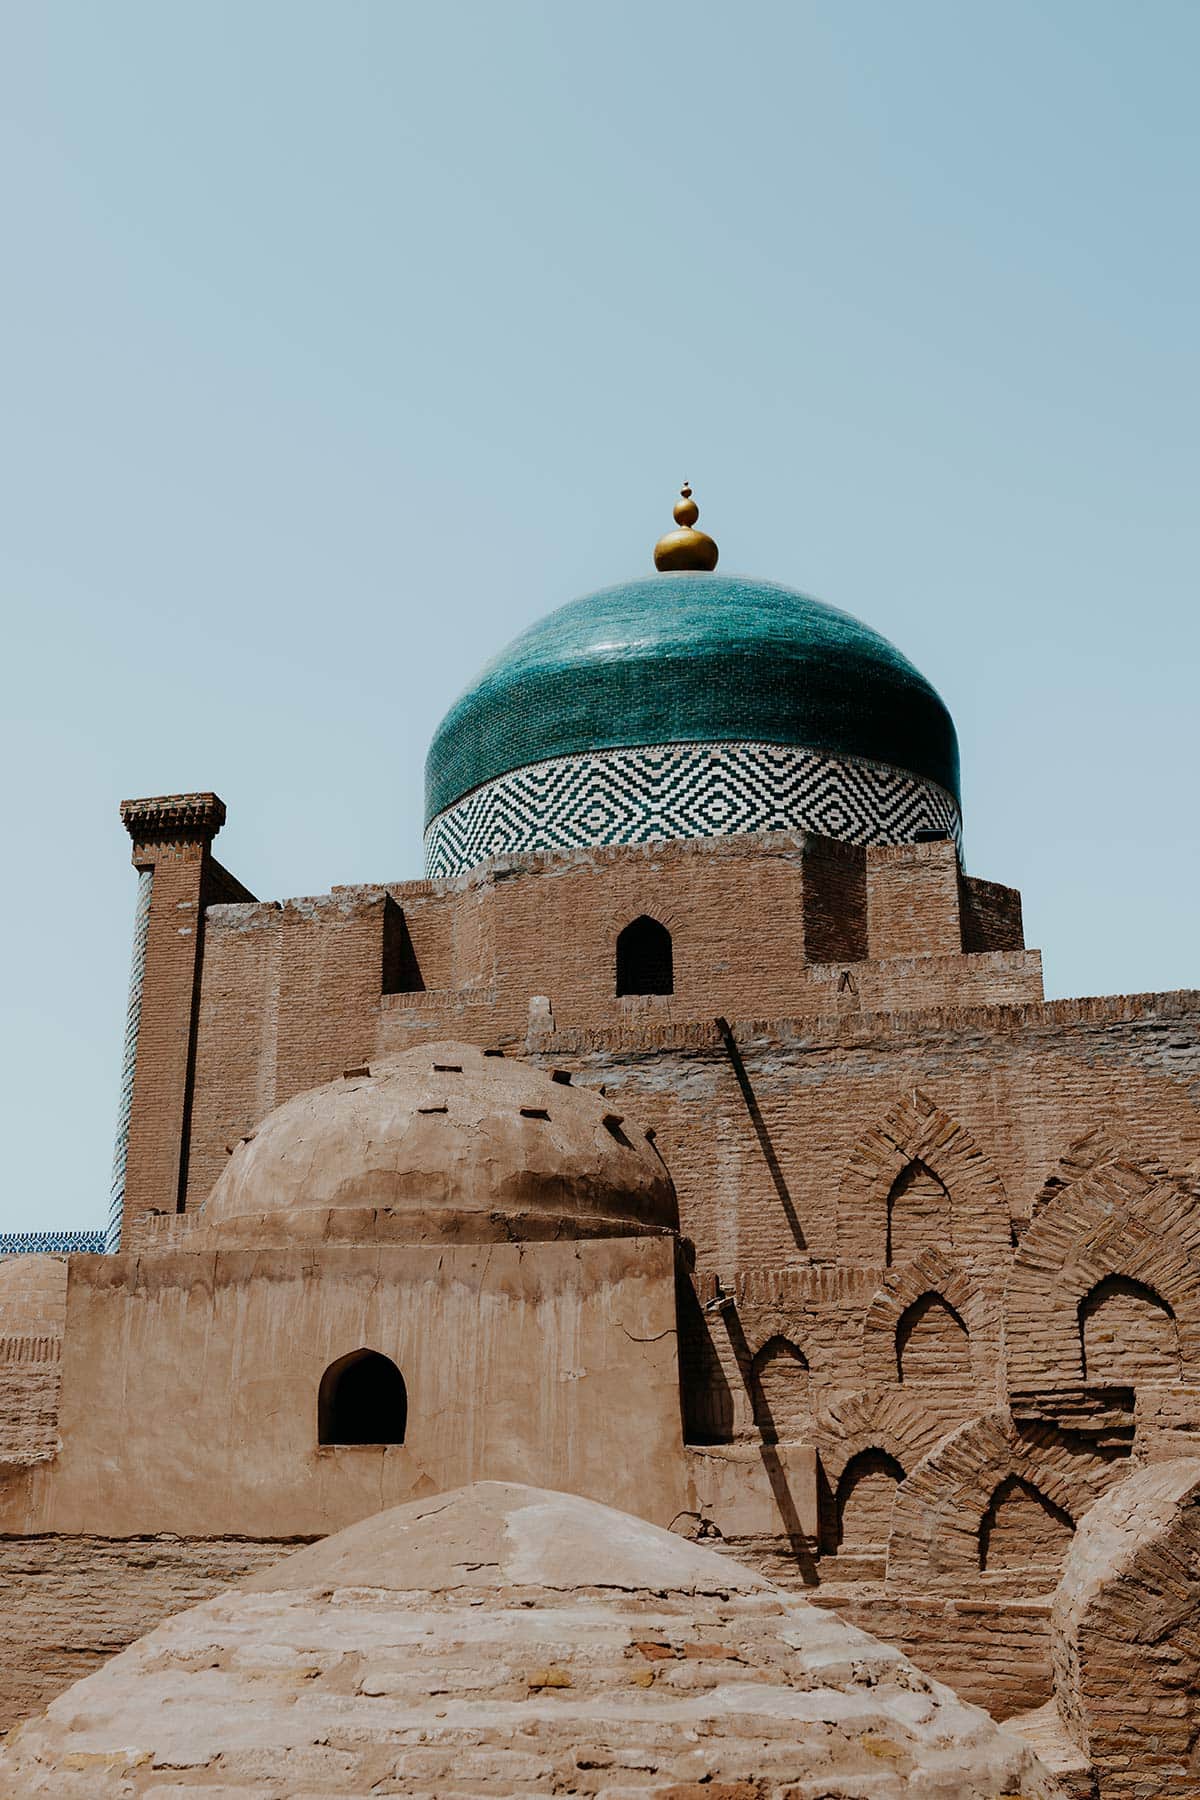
[(644, 961), (1023, 1529), (932, 1344), (918, 1214), (362, 1400), (1128, 1334)]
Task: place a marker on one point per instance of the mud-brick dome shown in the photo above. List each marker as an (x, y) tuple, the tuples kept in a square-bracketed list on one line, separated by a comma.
[(443, 1144), (504, 1640), (690, 704)]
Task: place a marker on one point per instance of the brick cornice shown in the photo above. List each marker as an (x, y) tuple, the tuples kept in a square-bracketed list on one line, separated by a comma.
[(196, 818)]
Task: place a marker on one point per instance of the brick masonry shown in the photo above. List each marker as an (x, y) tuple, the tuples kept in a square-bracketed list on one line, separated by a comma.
[(72, 1602), (938, 1292)]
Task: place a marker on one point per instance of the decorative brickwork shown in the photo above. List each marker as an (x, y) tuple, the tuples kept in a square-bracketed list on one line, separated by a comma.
[(1117, 1221), (945, 1512), (891, 1328), (684, 791), (1126, 1636), (882, 1418), (919, 1176), (50, 1243)]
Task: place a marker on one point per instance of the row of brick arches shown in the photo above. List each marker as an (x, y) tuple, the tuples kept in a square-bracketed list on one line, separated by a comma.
[(1021, 1529)]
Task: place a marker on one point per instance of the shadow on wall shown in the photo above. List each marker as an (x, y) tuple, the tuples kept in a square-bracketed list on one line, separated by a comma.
[(761, 1132)]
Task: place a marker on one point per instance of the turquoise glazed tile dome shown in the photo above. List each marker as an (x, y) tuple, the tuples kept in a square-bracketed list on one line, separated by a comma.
[(689, 705), (692, 658)]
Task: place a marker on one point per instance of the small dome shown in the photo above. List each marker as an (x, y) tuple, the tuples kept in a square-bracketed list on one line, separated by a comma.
[(837, 731), (502, 1639), (444, 1144)]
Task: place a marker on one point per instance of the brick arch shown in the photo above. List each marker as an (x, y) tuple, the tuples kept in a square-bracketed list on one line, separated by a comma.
[(933, 1272), (779, 1390), (1126, 1607), (918, 1131), (933, 1345), (1120, 1220), (624, 910), (1093, 1149), (1128, 1334), (1023, 1529), (904, 1425), (863, 1502), (940, 1509)]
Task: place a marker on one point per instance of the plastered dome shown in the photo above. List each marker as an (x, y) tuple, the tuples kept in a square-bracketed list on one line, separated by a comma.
[(443, 1144), (504, 1640), (690, 704)]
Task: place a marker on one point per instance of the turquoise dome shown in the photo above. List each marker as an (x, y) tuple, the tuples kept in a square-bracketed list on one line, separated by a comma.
[(692, 658)]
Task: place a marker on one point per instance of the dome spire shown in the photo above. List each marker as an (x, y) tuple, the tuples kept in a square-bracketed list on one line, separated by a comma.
[(685, 548)]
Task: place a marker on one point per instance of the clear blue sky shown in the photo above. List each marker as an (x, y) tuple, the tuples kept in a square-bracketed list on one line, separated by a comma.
[(340, 341)]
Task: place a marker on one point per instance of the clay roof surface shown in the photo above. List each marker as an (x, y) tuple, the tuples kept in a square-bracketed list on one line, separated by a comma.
[(502, 1640), (444, 1142)]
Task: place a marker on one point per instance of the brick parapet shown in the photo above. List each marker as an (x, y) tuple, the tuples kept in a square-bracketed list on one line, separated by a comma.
[(913, 900), (857, 1029)]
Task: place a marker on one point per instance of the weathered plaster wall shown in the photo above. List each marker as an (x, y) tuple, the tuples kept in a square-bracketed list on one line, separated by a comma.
[(190, 1384)]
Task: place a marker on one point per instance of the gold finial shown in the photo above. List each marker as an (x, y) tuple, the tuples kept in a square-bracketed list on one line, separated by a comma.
[(686, 548)]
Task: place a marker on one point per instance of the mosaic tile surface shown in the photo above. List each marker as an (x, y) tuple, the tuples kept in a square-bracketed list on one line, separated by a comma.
[(58, 1243), (684, 791), (133, 1019), (688, 659)]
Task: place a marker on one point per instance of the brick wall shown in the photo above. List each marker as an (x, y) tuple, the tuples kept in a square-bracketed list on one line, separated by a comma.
[(291, 994), (993, 1653), (71, 1602), (913, 904)]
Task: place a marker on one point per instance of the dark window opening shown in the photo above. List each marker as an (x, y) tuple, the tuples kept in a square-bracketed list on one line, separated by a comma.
[(401, 971), (362, 1400), (645, 964)]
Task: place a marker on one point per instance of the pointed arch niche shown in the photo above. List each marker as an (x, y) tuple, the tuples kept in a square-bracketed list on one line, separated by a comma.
[(779, 1374), (1105, 1285), (919, 1182), (362, 1399), (935, 1324), (645, 958), (1023, 1530), (1128, 1335)]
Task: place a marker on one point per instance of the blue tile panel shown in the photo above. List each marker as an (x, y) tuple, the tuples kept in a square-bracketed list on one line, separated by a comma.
[(44, 1243), (687, 659), (684, 791), (133, 1019)]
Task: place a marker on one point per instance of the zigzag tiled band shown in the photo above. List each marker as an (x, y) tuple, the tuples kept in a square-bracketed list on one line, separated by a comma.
[(50, 1243), (684, 791)]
